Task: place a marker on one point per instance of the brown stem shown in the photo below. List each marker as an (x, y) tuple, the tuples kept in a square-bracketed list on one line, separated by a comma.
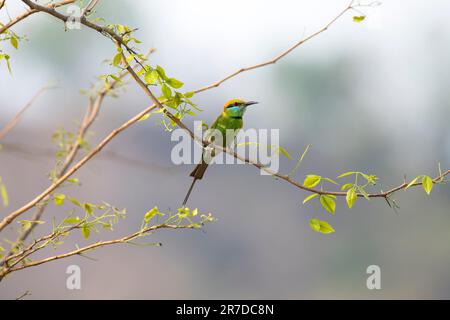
[(91, 114), (8, 219), (12, 123), (32, 11), (125, 239)]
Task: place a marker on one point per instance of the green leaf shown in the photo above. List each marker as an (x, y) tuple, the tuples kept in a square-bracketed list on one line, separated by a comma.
[(346, 174), (4, 194), (328, 203), (167, 93), (116, 78), (412, 182), (72, 220), (188, 94), (312, 196), (162, 73), (73, 180), (369, 177), (151, 77), (284, 152), (117, 60), (26, 224), (150, 214), (358, 18), (363, 192), (311, 180), (136, 40), (427, 184), (121, 28), (174, 83), (177, 99), (59, 199), (8, 64), (85, 231), (321, 226), (346, 186), (89, 208), (330, 180), (75, 201), (144, 117), (351, 197), (14, 42)]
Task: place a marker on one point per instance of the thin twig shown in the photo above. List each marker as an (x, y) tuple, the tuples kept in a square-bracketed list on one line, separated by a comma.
[(30, 12), (9, 218), (23, 295), (79, 251), (279, 56), (30, 152), (12, 123), (158, 104), (91, 114), (103, 30), (88, 9), (33, 247)]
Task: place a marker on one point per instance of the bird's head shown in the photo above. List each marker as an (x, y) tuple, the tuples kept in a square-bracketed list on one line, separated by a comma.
[(236, 107)]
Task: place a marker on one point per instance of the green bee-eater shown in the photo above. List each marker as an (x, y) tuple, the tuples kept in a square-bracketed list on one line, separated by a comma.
[(229, 119)]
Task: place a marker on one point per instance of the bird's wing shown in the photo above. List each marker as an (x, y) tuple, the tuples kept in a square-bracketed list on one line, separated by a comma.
[(209, 152)]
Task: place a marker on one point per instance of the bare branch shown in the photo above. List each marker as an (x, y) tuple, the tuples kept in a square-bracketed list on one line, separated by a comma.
[(30, 151), (11, 124), (98, 244), (90, 7), (8, 219), (279, 56), (103, 30), (91, 114), (32, 11)]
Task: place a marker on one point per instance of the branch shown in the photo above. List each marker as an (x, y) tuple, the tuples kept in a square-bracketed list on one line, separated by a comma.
[(279, 56), (9, 218), (103, 30), (30, 249), (32, 11), (98, 244), (91, 114), (11, 124), (29, 151), (67, 172), (89, 7)]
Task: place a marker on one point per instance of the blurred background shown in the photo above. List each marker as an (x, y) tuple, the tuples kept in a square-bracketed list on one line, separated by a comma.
[(370, 96)]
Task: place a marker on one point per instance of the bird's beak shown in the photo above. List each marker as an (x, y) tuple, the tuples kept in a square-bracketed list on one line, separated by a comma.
[(249, 103)]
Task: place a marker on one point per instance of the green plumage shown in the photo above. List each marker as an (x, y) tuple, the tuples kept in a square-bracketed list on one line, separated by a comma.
[(222, 123), (229, 119)]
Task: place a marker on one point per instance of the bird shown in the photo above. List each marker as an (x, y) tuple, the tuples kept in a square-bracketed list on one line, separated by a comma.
[(229, 119)]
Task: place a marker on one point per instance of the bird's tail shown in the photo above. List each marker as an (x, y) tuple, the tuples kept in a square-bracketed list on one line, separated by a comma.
[(189, 192), (199, 170), (197, 174)]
